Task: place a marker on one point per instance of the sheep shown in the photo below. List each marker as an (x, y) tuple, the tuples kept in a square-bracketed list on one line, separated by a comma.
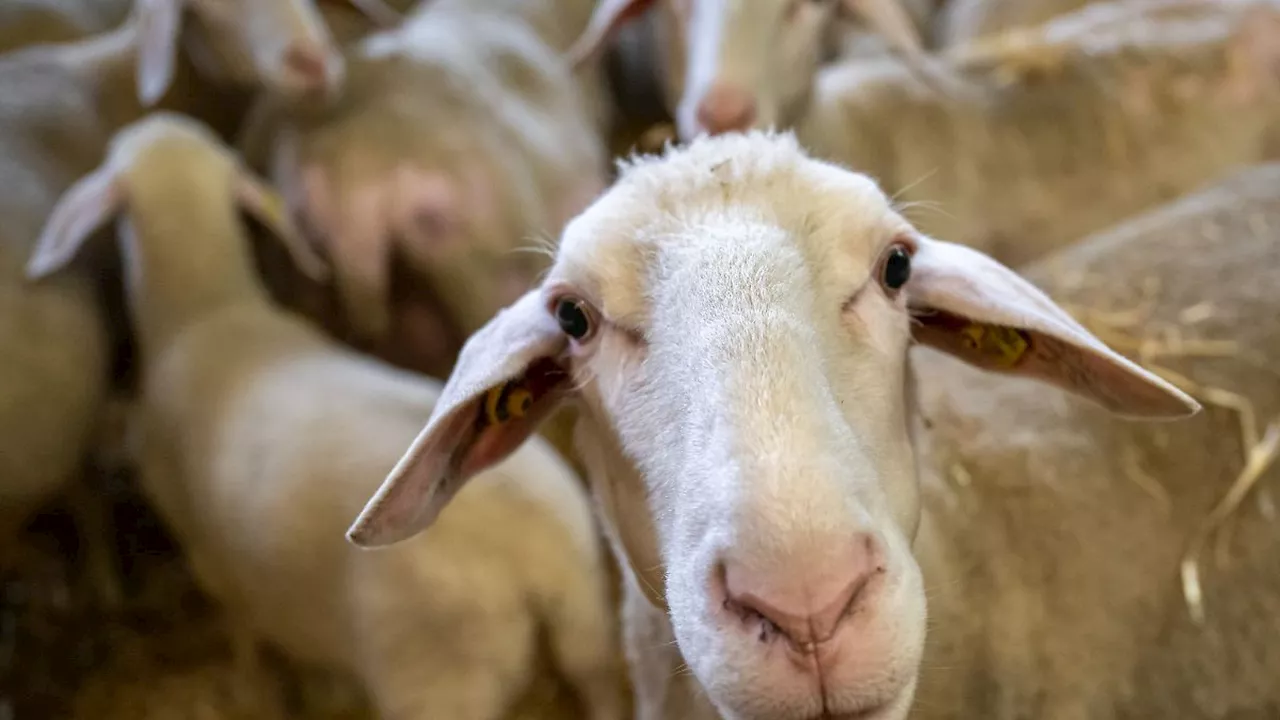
[(1072, 126), (258, 438), (734, 317), (726, 65), (59, 104), (462, 138)]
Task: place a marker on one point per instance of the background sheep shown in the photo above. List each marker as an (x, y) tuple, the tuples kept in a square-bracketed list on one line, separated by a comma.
[(58, 105), (728, 66), (1075, 125), (260, 439), (1088, 618)]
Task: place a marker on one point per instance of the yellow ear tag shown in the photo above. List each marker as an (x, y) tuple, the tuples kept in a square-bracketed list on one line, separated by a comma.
[(1005, 345), (505, 402), (518, 402)]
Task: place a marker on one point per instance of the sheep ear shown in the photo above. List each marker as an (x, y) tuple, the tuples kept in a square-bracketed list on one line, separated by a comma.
[(84, 208), (606, 19), (159, 26), (270, 208), (509, 377), (967, 304), (891, 20)]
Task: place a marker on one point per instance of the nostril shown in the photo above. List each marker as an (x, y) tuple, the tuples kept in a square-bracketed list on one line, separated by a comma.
[(768, 621), (807, 607), (726, 108), (308, 64)]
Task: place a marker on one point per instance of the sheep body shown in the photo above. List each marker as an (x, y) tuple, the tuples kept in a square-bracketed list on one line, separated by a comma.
[(255, 405), (1073, 126), (259, 438)]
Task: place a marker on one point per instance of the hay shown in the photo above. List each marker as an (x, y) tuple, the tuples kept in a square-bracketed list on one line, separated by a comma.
[(1144, 480), (1261, 457), (1164, 340)]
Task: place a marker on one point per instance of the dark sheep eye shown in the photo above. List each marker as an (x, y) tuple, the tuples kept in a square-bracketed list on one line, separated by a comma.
[(572, 318), (897, 268)]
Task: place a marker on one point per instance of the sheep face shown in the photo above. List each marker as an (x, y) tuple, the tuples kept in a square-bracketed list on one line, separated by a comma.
[(282, 45), (734, 65), (742, 65), (736, 319), (749, 355)]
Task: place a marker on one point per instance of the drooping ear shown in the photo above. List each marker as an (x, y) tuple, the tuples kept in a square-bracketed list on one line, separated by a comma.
[(269, 207), (607, 18), (967, 304), (382, 14), (891, 21), (159, 26), (509, 377), (84, 208)]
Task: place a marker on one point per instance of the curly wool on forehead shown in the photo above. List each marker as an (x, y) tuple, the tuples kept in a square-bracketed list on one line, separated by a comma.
[(763, 179), (711, 163), (764, 170)]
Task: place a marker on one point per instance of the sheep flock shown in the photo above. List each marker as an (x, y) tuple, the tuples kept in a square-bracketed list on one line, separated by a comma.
[(639, 359)]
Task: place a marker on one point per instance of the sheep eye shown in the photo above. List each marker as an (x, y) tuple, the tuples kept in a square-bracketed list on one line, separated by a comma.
[(897, 268), (572, 318)]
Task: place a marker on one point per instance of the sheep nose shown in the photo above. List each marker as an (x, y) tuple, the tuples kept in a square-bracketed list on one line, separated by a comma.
[(726, 108), (808, 608), (309, 67)]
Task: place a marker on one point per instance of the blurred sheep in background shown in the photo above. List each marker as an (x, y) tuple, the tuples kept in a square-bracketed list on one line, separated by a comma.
[(259, 439)]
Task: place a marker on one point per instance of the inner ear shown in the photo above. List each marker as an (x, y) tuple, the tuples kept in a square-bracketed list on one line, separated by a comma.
[(509, 413), (1029, 353), (986, 345)]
